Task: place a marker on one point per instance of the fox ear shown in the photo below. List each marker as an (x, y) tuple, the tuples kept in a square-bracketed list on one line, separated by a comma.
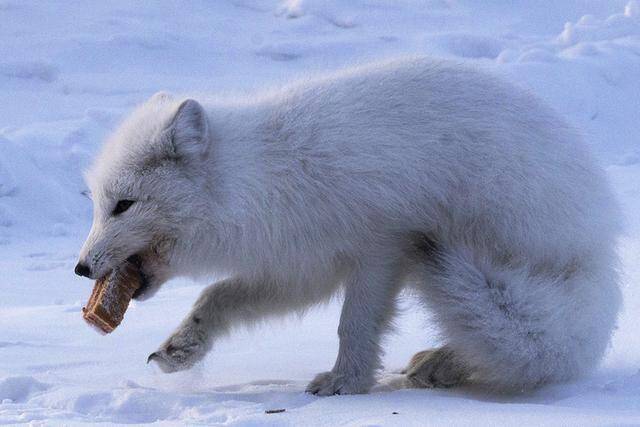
[(189, 131)]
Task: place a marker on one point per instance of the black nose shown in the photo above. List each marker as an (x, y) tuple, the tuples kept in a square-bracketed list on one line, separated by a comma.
[(82, 270)]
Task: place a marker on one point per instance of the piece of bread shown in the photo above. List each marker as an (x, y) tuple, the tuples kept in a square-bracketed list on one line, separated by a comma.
[(110, 298)]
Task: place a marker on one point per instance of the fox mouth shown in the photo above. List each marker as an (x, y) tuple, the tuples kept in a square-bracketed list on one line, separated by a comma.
[(145, 284), (152, 271)]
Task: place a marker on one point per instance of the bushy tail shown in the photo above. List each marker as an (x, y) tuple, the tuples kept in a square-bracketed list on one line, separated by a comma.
[(519, 327)]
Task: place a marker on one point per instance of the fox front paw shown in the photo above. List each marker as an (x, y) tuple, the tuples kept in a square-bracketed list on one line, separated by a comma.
[(330, 383), (183, 349)]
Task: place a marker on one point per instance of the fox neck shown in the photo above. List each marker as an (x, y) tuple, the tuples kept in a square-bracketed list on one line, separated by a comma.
[(237, 174)]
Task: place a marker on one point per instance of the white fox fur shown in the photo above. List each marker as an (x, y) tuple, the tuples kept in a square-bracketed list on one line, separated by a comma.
[(408, 173)]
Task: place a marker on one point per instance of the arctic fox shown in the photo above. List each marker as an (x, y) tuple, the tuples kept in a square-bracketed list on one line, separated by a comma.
[(406, 174)]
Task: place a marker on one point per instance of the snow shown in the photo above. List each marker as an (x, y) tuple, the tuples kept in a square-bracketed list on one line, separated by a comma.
[(70, 71)]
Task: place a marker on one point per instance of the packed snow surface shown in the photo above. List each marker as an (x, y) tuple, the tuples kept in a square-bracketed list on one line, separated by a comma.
[(69, 71)]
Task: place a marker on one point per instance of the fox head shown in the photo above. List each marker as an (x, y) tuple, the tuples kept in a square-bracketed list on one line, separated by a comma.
[(148, 191)]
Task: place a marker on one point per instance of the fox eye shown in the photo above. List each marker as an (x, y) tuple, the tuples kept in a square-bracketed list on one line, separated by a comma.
[(122, 206)]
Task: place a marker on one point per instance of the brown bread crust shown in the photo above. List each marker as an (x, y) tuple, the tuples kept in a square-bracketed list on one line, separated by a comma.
[(110, 298)]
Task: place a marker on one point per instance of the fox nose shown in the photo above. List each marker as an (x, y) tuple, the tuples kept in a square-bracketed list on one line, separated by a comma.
[(82, 270)]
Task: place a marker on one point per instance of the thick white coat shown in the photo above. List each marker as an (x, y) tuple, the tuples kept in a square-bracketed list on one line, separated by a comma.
[(408, 173)]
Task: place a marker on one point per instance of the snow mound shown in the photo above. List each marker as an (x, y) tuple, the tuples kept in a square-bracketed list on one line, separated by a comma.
[(129, 406), (131, 402), (19, 389), (617, 34), (470, 45), (291, 9), (591, 29), (338, 14)]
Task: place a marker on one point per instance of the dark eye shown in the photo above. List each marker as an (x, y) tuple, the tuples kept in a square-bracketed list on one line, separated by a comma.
[(122, 206)]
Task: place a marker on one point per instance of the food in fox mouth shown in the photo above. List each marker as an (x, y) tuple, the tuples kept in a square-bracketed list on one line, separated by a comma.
[(110, 297)]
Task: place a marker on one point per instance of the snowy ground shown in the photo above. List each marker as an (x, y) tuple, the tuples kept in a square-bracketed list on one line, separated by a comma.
[(70, 70)]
